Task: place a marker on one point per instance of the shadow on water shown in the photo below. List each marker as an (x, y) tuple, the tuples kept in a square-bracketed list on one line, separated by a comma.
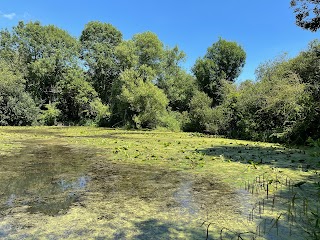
[(46, 178), (54, 131), (172, 188), (288, 213), (155, 229), (276, 156), (43, 132), (188, 199), (157, 203), (295, 203)]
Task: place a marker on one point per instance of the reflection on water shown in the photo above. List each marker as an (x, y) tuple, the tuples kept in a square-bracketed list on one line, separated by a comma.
[(47, 179), (144, 201), (10, 201), (184, 197), (80, 183)]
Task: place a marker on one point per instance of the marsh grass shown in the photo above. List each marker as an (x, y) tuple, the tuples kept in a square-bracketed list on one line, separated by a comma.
[(285, 208), (155, 185)]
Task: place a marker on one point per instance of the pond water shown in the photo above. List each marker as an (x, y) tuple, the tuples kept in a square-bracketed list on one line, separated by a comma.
[(55, 191)]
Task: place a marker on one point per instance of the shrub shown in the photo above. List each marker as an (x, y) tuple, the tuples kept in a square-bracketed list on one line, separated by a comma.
[(50, 116)]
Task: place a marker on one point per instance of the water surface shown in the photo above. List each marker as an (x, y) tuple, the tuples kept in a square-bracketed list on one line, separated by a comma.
[(53, 191)]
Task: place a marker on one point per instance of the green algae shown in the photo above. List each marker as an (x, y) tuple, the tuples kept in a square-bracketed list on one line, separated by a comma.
[(90, 183)]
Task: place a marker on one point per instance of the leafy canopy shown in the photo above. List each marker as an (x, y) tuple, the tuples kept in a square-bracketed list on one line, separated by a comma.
[(307, 13), (98, 43), (224, 60)]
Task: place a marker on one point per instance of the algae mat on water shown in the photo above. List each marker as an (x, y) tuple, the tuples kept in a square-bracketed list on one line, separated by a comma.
[(91, 183)]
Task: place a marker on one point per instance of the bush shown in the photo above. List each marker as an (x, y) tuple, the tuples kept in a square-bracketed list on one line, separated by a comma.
[(50, 116), (201, 113), (100, 113), (171, 121)]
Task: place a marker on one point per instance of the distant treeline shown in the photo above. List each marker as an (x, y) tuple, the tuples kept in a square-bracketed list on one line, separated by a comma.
[(48, 77)]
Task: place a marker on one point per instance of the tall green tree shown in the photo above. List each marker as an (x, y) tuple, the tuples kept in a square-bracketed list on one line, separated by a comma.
[(307, 66), (47, 51), (7, 50), (75, 96), (224, 60), (179, 89), (270, 108), (149, 50), (126, 53), (178, 85), (99, 41)]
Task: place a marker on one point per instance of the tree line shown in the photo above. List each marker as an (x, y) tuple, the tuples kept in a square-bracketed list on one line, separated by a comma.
[(48, 77)]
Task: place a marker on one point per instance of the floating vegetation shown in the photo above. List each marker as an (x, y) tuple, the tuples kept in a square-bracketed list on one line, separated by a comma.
[(82, 182)]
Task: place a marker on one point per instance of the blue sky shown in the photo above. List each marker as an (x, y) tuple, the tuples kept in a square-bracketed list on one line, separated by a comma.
[(265, 29)]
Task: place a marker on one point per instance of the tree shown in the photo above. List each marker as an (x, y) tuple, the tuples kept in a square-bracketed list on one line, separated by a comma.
[(270, 108), (179, 89), (229, 58), (306, 66), (178, 85), (47, 52), (201, 113), (75, 96), (126, 53), (149, 50), (136, 100), (208, 79), (16, 106), (7, 50), (172, 59), (223, 61), (99, 41), (307, 14)]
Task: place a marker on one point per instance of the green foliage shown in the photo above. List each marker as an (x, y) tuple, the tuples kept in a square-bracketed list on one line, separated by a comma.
[(171, 121), (50, 116), (75, 96), (229, 58), (99, 41), (46, 51), (270, 108), (16, 106), (8, 53), (208, 79), (102, 80), (172, 59), (313, 143), (149, 49), (223, 61), (100, 112), (136, 100), (126, 54), (200, 113), (306, 66), (179, 89), (178, 85)]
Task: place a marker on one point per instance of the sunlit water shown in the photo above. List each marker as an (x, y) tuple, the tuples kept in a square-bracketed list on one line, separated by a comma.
[(53, 191)]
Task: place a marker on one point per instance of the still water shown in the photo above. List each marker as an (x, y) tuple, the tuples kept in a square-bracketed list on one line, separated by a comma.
[(54, 191)]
